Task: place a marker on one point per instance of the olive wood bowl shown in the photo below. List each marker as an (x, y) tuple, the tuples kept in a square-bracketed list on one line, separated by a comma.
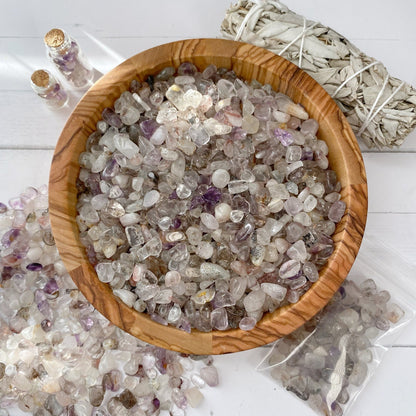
[(249, 62)]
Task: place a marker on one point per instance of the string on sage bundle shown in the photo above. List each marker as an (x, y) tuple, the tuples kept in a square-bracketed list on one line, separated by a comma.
[(380, 108)]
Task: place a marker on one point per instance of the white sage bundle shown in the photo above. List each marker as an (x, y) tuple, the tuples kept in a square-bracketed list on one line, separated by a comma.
[(380, 108)]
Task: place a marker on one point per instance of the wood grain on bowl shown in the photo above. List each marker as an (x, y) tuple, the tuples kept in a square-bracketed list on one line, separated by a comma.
[(248, 62)]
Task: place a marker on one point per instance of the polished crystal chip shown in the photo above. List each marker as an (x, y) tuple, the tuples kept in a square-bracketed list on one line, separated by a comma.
[(222, 212), (105, 272), (151, 198), (126, 296), (219, 319), (220, 178), (289, 269), (254, 301), (275, 291), (213, 271), (203, 296), (209, 221), (236, 215), (210, 376), (115, 209), (247, 323)]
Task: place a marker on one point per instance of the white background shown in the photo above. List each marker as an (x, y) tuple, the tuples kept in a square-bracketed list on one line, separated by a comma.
[(110, 32)]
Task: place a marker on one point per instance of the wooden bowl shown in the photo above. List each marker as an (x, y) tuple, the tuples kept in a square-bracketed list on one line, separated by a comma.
[(249, 62)]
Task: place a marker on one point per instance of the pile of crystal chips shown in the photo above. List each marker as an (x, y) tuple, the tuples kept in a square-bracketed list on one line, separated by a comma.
[(58, 355), (206, 201)]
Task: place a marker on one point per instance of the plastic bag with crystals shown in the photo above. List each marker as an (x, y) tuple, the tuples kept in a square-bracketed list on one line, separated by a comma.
[(329, 360), (380, 108)]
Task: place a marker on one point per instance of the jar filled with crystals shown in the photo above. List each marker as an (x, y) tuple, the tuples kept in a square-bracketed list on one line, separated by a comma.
[(65, 53), (48, 88)]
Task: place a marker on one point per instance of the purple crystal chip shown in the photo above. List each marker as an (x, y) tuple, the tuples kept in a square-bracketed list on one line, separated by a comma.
[(196, 201), (284, 136), (9, 237), (204, 180), (237, 133), (34, 267), (212, 195), (337, 211), (16, 203), (176, 223), (187, 68), (111, 169), (148, 127), (174, 195), (112, 118), (156, 403), (86, 322), (45, 309), (51, 287)]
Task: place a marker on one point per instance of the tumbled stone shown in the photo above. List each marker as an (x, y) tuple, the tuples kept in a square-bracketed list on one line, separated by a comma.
[(220, 178), (254, 301), (289, 269), (275, 291), (96, 395), (127, 399), (151, 198), (222, 212), (336, 211), (209, 221), (210, 376), (194, 396), (219, 319)]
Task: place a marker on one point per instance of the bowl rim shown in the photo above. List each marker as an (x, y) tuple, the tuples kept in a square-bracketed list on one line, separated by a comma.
[(239, 55)]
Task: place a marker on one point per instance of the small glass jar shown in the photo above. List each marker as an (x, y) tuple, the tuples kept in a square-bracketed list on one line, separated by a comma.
[(48, 88), (65, 53)]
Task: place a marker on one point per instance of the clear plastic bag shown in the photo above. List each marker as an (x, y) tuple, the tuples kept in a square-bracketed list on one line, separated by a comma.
[(329, 360)]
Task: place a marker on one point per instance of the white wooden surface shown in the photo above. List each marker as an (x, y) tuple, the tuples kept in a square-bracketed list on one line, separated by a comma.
[(112, 31)]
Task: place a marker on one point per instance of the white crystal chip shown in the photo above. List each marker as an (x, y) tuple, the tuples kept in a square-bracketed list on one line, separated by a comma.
[(151, 198), (220, 178)]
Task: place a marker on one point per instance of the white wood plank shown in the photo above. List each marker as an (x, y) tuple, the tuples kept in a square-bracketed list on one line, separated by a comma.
[(23, 168), (30, 122), (124, 18), (355, 19), (243, 391), (396, 230), (391, 182)]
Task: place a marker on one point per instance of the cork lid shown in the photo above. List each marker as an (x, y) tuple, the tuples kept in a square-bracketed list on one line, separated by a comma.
[(54, 38), (40, 78)]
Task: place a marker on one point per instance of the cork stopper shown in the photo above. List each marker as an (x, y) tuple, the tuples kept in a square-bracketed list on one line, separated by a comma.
[(40, 78), (54, 38)]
